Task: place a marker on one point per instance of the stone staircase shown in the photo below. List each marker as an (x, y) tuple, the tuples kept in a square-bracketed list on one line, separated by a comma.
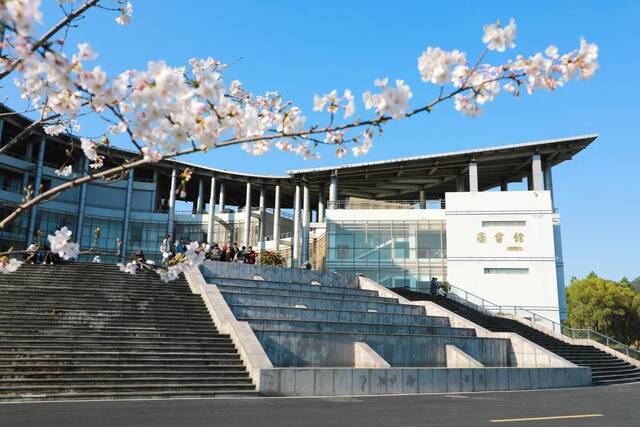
[(316, 325), (88, 331), (605, 368)]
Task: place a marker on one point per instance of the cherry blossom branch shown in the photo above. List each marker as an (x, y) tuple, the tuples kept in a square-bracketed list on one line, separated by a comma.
[(26, 132), (125, 167), (49, 34)]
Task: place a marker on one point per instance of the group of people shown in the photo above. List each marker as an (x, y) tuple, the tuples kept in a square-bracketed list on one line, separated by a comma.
[(227, 253), (40, 254), (232, 253)]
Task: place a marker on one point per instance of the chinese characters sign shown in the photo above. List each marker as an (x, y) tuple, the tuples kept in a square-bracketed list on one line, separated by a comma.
[(500, 238)]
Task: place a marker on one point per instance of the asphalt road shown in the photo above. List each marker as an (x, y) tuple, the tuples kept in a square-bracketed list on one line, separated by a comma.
[(594, 406)]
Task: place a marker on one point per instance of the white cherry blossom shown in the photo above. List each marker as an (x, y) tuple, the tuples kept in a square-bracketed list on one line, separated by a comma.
[(89, 148), (9, 265), (435, 64), (498, 38), (64, 171), (61, 244), (130, 267), (392, 101)]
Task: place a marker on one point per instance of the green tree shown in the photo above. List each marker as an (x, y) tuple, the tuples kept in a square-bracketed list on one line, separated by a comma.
[(609, 307)]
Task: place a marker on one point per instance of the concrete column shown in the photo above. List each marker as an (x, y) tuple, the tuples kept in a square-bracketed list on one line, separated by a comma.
[(221, 198), (504, 187), (536, 172), (200, 201), (212, 211), (473, 176), (460, 183), (172, 202), (262, 221), (422, 198), (31, 229), (306, 217), (548, 182), (276, 219), (246, 237), (333, 191), (321, 203), (82, 201), (127, 218), (28, 155), (296, 229), (154, 194)]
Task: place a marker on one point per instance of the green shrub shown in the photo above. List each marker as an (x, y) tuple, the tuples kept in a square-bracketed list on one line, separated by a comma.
[(270, 258)]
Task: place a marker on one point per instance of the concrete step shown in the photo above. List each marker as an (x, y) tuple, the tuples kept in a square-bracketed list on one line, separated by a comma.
[(111, 300), (9, 317), (614, 370), (149, 312), (97, 375), (78, 353), (118, 381), (89, 331), (119, 395), (302, 349), (378, 328), (601, 362), (631, 374), (207, 331), (81, 292), (82, 345), (84, 382), (292, 313), (79, 366), (266, 290), (131, 387), (258, 298), (292, 286), (88, 336)]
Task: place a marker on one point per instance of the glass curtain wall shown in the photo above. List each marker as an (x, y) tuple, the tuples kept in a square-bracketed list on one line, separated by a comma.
[(15, 234), (393, 253)]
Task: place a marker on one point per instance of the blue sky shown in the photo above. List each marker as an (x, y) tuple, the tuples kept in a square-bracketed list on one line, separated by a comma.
[(303, 48)]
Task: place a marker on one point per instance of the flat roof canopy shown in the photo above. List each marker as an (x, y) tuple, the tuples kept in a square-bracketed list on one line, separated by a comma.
[(436, 174), (394, 179)]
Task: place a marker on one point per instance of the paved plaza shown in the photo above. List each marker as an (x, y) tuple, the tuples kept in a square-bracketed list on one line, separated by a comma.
[(592, 406)]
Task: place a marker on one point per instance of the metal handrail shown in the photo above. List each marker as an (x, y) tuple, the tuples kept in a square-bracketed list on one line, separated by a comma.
[(575, 333), (386, 204)]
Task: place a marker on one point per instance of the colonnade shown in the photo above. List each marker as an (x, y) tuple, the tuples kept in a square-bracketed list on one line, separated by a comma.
[(539, 178)]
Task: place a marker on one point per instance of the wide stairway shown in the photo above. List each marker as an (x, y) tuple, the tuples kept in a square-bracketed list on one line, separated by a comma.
[(311, 324), (84, 331), (605, 368)]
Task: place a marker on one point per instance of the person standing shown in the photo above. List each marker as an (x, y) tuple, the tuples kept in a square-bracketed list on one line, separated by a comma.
[(231, 255), (434, 286), (165, 249), (251, 256)]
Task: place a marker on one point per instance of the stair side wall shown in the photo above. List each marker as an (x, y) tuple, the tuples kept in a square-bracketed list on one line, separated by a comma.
[(375, 381), (524, 353), (242, 336)]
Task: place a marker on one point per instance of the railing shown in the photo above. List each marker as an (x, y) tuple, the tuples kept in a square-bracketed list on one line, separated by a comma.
[(282, 236), (491, 308), (387, 204)]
